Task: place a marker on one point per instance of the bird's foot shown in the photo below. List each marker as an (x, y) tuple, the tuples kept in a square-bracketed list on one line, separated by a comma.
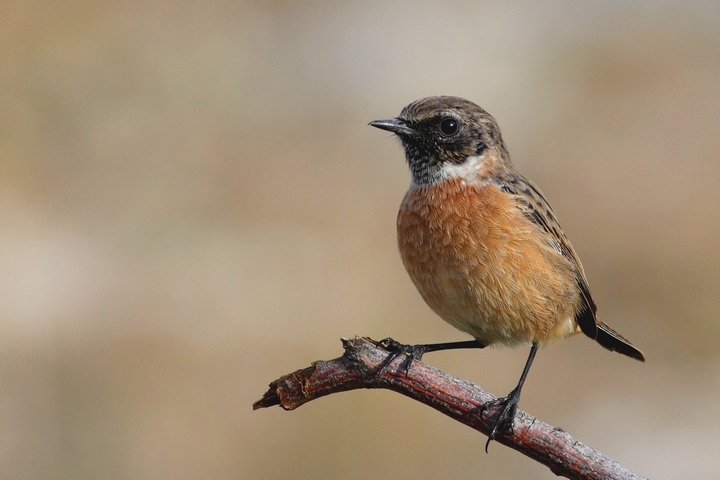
[(395, 349), (506, 415)]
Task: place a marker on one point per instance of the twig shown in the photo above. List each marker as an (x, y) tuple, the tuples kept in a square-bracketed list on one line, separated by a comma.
[(456, 398)]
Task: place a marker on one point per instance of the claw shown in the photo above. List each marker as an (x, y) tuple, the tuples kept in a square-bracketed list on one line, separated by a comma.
[(395, 348), (504, 420)]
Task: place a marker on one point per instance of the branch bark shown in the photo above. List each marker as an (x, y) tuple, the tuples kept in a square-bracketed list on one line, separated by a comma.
[(360, 365)]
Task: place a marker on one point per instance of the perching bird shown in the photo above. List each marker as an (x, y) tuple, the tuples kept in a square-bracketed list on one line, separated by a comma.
[(481, 243)]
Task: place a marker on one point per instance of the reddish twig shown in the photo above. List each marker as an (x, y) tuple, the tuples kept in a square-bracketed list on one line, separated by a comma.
[(457, 398)]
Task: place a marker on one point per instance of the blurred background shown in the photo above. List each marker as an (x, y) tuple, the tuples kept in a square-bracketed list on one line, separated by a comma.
[(192, 205)]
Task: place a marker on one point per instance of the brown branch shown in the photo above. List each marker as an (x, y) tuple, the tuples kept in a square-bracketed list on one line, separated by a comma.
[(456, 398)]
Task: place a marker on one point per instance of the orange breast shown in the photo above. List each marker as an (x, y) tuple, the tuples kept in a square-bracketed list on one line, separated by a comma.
[(483, 267)]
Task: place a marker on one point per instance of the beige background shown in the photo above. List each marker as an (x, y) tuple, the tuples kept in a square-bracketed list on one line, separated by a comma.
[(191, 204)]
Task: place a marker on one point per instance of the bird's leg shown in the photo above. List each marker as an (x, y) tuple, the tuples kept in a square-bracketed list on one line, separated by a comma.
[(505, 418), (416, 352)]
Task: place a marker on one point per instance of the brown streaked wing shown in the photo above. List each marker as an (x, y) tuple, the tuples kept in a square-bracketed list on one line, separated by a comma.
[(536, 208)]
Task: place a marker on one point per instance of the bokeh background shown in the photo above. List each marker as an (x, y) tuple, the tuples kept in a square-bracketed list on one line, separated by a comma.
[(191, 205)]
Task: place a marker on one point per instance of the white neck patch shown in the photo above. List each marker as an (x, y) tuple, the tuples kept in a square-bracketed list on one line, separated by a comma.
[(468, 171), (472, 170)]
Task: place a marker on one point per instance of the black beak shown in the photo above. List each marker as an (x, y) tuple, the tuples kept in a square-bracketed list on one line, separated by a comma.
[(394, 125)]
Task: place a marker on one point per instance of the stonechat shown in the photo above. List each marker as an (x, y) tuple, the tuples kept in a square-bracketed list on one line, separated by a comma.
[(481, 243)]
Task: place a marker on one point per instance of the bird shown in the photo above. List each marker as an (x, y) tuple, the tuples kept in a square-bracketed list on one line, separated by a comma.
[(482, 245)]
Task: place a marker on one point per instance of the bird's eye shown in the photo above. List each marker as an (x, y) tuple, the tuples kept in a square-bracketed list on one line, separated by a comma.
[(449, 126)]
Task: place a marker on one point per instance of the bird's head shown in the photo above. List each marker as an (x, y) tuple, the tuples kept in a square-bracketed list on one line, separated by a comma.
[(445, 137)]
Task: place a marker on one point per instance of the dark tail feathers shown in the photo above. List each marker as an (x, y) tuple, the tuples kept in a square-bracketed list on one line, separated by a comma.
[(612, 340)]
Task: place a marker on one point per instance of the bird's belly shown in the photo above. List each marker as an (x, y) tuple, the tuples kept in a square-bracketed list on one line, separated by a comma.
[(479, 264)]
